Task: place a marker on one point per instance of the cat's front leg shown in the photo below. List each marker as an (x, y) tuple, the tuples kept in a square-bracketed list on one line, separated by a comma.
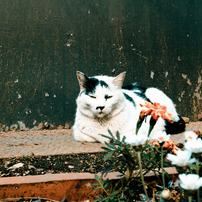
[(82, 137)]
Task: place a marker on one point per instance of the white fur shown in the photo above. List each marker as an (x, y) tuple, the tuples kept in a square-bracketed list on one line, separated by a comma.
[(119, 114)]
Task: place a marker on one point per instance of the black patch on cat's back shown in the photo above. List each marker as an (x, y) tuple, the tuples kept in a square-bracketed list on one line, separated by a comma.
[(129, 99), (92, 83), (138, 90), (175, 127)]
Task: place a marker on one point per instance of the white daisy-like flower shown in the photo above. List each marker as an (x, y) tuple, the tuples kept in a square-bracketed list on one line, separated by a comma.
[(136, 140), (190, 135), (190, 181), (160, 137), (183, 158), (194, 145)]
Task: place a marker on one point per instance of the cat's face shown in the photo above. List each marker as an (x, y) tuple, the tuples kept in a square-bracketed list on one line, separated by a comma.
[(100, 97)]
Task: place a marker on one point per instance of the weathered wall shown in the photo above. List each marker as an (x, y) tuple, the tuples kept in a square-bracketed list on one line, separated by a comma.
[(44, 42)]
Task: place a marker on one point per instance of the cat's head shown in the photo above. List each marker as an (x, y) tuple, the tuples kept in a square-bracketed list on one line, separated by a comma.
[(100, 96)]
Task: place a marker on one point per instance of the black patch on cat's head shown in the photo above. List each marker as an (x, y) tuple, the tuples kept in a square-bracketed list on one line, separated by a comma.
[(103, 84), (91, 84)]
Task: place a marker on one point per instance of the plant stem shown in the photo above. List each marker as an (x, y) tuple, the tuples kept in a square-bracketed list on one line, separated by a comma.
[(197, 172), (163, 177), (180, 194), (142, 177), (189, 198)]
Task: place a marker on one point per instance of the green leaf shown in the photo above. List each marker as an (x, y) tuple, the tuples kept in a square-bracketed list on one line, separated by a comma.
[(95, 184), (106, 136), (114, 193), (96, 188), (106, 149), (110, 145), (118, 135), (97, 178), (109, 131), (108, 156), (106, 185)]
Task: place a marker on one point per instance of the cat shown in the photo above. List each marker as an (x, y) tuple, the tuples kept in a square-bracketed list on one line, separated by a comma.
[(105, 104)]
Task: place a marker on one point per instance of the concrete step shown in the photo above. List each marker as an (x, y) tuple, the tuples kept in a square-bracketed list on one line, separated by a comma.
[(53, 142)]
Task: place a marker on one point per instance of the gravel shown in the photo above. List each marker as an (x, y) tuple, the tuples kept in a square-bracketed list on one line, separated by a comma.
[(37, 165)]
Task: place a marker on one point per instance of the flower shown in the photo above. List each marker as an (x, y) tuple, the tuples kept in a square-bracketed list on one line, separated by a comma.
[(190, 181), (160, 137), (196, 132), (181, 159), (136, 140), (170, 146), (194, 145), (189, 135), (165, 194), (156, 111)]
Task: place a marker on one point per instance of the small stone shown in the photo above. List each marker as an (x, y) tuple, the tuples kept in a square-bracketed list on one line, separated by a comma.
[(186, 119), (13, 127), (7, 163), (22, 126), (200, 117), (67, 126), (40, 126), (70, 166), (14, 167), (60, 127), (31, 167)]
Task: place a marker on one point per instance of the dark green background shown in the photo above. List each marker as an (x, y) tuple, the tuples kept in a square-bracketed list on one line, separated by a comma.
[(44, 42)]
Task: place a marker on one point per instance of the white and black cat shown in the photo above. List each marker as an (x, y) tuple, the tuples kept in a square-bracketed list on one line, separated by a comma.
[(104, 104)]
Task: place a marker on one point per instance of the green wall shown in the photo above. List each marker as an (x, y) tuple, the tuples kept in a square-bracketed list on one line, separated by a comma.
[(44, 42)]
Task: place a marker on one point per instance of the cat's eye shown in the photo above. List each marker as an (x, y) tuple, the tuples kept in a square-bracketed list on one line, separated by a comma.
[(108, 97), (92, 96)]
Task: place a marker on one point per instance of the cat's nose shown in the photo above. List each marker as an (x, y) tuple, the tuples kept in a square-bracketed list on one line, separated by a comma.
[(100, 107)]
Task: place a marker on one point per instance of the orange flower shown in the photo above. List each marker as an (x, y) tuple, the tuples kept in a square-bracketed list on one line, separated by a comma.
[(197, 132), (156, 142), (156, 111), (170, 146)]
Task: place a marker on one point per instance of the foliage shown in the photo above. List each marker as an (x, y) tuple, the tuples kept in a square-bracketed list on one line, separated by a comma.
[(138, 156), (129, 184)]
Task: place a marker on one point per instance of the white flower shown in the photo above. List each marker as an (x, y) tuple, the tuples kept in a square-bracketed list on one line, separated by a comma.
[(190, 181), (136, 140), (194, 145), (190, 135), (182, 158), (160, 137)]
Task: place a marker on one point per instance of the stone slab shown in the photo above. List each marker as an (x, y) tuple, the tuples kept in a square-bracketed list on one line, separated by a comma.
[(53, 142)]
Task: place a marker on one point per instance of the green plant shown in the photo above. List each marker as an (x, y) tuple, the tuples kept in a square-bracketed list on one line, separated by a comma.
[(137, 156)]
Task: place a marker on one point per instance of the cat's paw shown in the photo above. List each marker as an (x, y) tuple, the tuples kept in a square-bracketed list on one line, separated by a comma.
[(81, 137)]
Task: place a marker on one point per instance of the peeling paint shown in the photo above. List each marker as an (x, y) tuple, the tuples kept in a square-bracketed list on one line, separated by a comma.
[(46, 95), (184, 76), (19, 96), (152, 74), (181, 96), (197, 95)]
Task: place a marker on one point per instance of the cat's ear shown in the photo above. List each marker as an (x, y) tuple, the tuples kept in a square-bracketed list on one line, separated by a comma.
[(82, 78), (118, 80)]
